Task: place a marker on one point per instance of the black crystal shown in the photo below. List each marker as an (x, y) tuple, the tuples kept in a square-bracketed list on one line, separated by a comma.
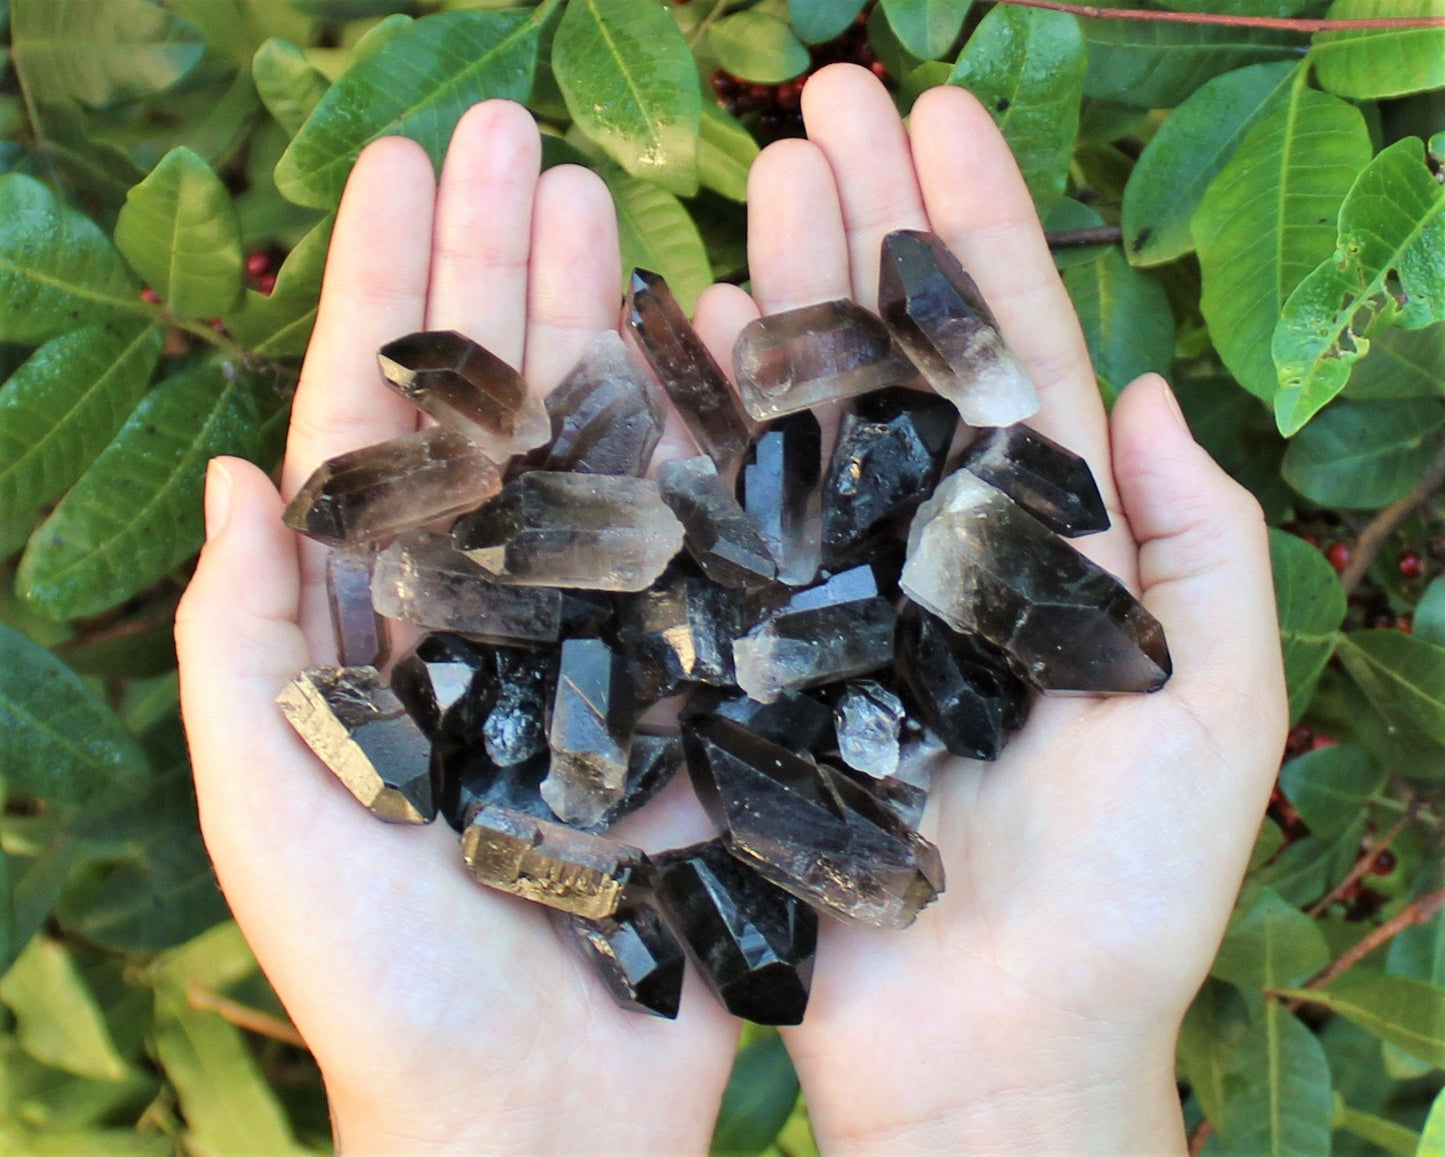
[(719, 535), (635, 953), (590, 733), (681, 631), (794, 719), (1053, 484)]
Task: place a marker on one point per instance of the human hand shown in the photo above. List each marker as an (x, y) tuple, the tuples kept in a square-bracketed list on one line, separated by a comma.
[(1092, 869)]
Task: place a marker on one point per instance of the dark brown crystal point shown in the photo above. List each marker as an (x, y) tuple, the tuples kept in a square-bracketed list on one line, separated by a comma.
[(635, 953), (985, 566), (607, 414), (361, 731), (369, 495), (718, 534), (814, 355), (361, 634), (549, 863), (753, 942), (437, 683), (809, 828), (686, 370), (794, 719), (778, 487), (1053, 484), (591, 732), (939, 317), (466, 388), (681, 630), (467, 779)]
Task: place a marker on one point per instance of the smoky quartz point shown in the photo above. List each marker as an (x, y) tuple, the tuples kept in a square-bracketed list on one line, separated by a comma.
[(637, 956), (607, 415), (1053, 484), (718, 534), (868, 719), (591, 732), (362, 639), (369, 495), (778, 487), (986, 566), (362, 732), (686, 370), (939, 317), (438, 681), (466, 388), (680, 631), (605, 532), (753, 943), (811, 356), (795, 719)]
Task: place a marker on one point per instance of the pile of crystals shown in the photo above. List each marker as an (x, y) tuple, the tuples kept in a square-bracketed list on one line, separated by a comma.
[(817, 633)]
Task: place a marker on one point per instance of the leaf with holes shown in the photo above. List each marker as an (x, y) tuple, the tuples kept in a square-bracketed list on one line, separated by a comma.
[(1364, 454), (1311, 605), (1365, 64), (1401, 363), (1126, 320)]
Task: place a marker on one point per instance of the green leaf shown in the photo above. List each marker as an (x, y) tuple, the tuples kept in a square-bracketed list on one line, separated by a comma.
[(1408, 1013), (60, 1023), (631, 86), (1154, 64), (216, 959), (279, 325), (1364, 454), (58, 1102), (1071, 214), (1126, 320), (1429, 624), (1277, 1091), (1330, 786), (100, 54), (1402, 363), (1027, 67), (1311, 606), (1188, 152), (656, 233), (136, 512), (926, 29), (725, 153), (1378, 1131), (1380, 62), (1213, 1029), (286, 83), (61, 407), (1388, 268), (1270, 944), (417, 85), (1402, 676), (56, 266), (758, 46), (58, 740), (1308, 867), (1432, 1137), (178, 230), (818, 20), (1268, 219), (758, 1099)]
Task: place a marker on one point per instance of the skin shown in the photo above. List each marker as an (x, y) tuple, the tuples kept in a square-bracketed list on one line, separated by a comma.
[(1091, 870)]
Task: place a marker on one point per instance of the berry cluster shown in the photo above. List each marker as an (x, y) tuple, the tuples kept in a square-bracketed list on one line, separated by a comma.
[(1371, 606)]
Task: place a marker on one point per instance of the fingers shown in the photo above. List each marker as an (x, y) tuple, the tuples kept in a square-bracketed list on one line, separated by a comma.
[(797, 254)]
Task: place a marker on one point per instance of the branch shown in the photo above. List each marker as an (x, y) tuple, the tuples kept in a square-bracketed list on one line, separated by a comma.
[(1286, 24), (1076, 238), (1362, 866), (1200, 1137), (243, 1017), (1379, 529), (1418, 911)]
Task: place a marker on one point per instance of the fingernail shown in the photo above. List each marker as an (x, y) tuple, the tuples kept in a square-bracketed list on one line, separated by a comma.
[(218, 497), (1173, 405)]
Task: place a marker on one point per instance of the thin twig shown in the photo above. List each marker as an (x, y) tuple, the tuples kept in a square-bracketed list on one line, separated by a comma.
[(1378, 530), (1283, 23), (243, 1016), (1075, 238), (1418, 911), (1362, 866), (1200, 1137)]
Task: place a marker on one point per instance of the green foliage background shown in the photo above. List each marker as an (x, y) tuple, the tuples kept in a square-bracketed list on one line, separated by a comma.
[(1280, 254)]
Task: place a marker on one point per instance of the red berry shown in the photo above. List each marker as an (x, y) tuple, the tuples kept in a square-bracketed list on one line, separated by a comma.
[(1300, 739), (150, 296), (218, 325), (723, 83), (1339, 554), (1384, 863), (878, 69), (1406, 623), (1324, 741), (1411, 565), (258, 264), (265, 284)]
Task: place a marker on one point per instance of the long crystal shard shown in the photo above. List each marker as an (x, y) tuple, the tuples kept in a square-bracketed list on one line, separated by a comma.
[(939, 317), (369, 495), (718, 534), (466, 388), (1053, 484), (593, 531), (814, 355), (686, 370), (361, 731), (361, 634), (607, 414), (635, 953), (986, 566), (778, 487), (591, 732)]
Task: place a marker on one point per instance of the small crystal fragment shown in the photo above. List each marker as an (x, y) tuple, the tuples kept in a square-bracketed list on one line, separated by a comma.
[(1053, 484), (361, 634), (594, 531), (778, 487), (986, 566), (435, 682), (823, 634), (515, 727), (941, 320), (718, 534), (551, 864), (367, 495), (607, 414), (466, 388), (686, 370), (591, 732), (887, 459), (361, 731), (790, 361), (753, 942), (809, 828), (868, 719), (635, 953), (679, 631), (420, 578)]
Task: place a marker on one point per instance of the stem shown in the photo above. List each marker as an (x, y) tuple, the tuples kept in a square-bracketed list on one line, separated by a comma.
[(1286, 24), (1200, 1137), (244, 1017), (1418, 911), (706, 22), (1379, 529), (1077, 238), (1362, 865)]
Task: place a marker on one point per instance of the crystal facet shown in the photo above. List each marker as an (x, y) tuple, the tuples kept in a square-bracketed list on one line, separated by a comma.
[(718, 534), (753, 942), (786, 362), (655, 759), (868, 719), (361, 731), (466, 388), (371, 494), (607, 414), (635, 953), (1053, 484), (687, 371), (361, 634), (904, 799), (778, 487), (939, 317), (594, 531), (435, 682), (591, 732), (679, 631), (794, 719), (467, 779), (986, 566)]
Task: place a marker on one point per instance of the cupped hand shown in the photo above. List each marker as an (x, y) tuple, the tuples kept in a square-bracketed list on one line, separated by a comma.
[(1091, 870)]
